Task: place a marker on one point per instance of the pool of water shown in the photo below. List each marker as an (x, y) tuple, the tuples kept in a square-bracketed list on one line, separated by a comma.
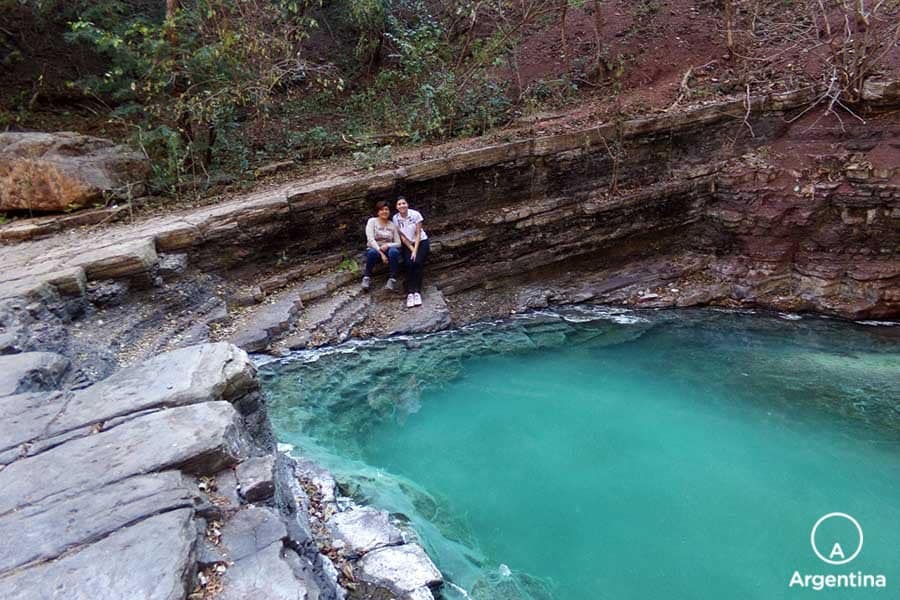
[(597, 453)]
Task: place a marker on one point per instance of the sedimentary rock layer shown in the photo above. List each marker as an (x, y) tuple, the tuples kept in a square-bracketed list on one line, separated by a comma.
[(763, 211)]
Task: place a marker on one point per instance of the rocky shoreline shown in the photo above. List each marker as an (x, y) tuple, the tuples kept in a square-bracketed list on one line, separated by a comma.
[(170, 466), (133, 423)]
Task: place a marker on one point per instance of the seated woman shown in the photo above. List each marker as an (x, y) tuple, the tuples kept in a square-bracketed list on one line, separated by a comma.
[(383, 244), (415, 249)]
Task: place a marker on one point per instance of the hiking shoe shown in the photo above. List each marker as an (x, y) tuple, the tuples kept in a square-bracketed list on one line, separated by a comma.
[(366, 283), (391, 284), (410, 300), (417, 299)]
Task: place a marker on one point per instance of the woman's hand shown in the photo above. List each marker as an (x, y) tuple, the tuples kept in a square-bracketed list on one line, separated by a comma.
[(384, 248), (412, 256), (384, 257)]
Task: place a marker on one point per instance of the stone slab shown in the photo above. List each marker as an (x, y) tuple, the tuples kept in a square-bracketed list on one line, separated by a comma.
[(150, 560), (266, 322), (264, 575), (31, 372), (364, 529), (45, 531), (256, 476), (202, 439), (432, 316), (118, 260), (250, 531), (401, 569), (179, 378), (24, 417)]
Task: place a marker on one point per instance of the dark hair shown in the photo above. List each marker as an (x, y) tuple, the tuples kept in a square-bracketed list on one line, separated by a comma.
[(379, 205)]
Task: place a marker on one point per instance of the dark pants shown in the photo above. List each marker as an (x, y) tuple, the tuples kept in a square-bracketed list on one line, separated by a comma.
[(374, 258), (416, 267)]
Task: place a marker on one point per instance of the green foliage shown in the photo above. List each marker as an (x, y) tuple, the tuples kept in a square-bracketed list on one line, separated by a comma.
[(349, 264), (373, 156), (542, 93), (222, 85), (420, 94), (314, 142), (185, 83)]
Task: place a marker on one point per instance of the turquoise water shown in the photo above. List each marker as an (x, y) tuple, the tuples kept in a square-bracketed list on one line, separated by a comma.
[(597, 453)]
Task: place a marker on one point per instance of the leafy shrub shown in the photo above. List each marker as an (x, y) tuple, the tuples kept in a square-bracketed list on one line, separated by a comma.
[(373, 156)]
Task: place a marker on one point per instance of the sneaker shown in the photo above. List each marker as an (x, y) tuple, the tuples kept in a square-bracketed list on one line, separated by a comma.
[(417, 299), (366, 283), (391, 284), (410, 300)]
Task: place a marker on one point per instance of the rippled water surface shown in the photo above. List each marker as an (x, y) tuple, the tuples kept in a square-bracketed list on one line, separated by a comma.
[(595, 453)]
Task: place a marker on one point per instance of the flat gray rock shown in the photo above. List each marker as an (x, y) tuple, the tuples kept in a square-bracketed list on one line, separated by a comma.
[(45, 531), (202, 438), (266, 322), (401, 569), (227, 487), (265, 575), (124, 259), (432, 316), (25, 417), (31, 372), (364, 529), (251, 530), (185, 376), (256, 477), (150, 560), (319, 477)]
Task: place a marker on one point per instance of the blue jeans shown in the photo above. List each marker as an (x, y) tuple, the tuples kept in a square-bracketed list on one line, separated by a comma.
[(373, 257)]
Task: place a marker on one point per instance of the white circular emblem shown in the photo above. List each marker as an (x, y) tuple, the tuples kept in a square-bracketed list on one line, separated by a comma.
[(836, 515)]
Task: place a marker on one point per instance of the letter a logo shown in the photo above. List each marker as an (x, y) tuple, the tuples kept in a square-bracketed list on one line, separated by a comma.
[(837, 556), (837, 551)]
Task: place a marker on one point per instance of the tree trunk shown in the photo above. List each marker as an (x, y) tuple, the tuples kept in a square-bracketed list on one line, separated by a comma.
[(598, 30), (171, 7), (562, 26), (729, 25)]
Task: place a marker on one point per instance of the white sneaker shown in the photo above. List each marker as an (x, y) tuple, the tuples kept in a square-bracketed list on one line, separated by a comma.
[(417, 299), (410, 300)]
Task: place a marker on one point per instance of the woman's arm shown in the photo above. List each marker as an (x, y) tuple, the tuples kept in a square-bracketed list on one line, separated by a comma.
[(396, 243), (370, 236), (415, 248), (405, 240)]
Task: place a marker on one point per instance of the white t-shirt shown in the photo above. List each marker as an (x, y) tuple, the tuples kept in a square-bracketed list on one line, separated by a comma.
[(407, 226)]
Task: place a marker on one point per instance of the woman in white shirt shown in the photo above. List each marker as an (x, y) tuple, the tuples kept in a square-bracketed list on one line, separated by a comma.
[(382, 244), (415, 249)]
